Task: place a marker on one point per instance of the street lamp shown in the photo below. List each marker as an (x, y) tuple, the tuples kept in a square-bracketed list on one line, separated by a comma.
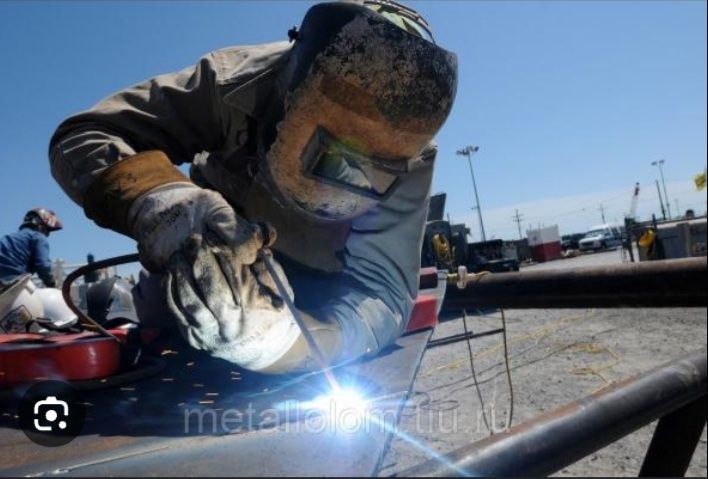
[(660, 164), (468, 151)]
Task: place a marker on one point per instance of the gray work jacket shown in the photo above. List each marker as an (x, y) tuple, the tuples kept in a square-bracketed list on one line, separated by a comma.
[(205, 115)]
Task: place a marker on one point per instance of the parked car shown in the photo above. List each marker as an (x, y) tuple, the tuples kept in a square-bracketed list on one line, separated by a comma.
[(571, 241), (601, 237)]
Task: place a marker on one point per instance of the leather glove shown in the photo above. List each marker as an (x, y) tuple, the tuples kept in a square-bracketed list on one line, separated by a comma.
[(144, 196), (234, 311), (223, 308), (225, 300), (207, 252), (299, 357), (166, 217)]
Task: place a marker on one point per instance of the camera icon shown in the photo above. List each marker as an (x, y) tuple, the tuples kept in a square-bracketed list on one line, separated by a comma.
[(51, 413), (46, 414)]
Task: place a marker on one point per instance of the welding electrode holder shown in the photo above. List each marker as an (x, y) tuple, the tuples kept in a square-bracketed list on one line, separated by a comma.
[(462, 277)]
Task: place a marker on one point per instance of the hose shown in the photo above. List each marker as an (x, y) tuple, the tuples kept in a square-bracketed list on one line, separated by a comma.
[(85, 319)]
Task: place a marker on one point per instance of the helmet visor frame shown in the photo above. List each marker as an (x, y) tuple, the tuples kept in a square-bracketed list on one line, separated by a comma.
[(330, 161), (403, 17)]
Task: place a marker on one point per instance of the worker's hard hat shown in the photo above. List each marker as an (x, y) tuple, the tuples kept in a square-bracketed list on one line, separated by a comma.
[(365, 90), (23, 302), (19, 304), (43, 218), (55, 308)]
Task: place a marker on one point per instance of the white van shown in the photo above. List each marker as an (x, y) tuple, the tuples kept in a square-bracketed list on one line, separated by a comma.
[(601, 237)]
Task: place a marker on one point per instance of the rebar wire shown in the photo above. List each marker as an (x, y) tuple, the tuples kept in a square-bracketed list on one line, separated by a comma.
[(474, 372)]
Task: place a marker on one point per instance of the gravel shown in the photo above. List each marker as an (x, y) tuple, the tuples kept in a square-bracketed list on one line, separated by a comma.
[(556, 356)]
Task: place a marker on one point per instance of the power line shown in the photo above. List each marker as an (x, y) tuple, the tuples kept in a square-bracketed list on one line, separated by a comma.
[(581, 209)]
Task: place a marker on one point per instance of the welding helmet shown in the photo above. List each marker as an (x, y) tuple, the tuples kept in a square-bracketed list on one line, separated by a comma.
[(110, 302), (42, 219), (365, 90)]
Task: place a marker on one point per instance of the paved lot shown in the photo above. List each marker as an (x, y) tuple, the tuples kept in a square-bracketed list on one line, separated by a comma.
[(556, 356)]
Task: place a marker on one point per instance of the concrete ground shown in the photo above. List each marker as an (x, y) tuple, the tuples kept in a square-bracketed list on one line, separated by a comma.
[(556, 356)]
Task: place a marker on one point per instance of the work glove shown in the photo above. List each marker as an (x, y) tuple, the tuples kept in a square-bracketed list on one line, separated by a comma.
[(234, 311), (223, 305), (225, 300), (144, 196), (165, 218), (298, 357)]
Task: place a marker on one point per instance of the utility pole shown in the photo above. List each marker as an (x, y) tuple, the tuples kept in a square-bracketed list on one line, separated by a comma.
[(660, 164), (602, 212), (518, 219), (678, 210), (661, 202), (468, 151)]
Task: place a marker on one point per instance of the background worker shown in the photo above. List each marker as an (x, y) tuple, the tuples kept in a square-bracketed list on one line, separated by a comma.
[(327, 138), (27, 250)]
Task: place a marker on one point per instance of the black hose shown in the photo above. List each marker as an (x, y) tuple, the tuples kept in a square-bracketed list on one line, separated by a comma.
[(85, 319)]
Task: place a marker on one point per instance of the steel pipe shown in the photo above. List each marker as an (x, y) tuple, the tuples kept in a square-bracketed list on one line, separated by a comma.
[(665, 283), (674, 442), (559, 438)]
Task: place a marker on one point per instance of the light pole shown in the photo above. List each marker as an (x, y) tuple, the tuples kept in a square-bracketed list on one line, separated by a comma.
[(468, 151), (661, 202), (660, 164)]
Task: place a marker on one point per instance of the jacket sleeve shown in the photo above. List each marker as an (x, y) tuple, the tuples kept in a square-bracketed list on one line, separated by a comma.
[(382, 267), (41, 264), (177, 114)]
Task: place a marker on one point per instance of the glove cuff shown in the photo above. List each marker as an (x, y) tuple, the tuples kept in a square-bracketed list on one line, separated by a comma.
[(109, 198), (298, 357)]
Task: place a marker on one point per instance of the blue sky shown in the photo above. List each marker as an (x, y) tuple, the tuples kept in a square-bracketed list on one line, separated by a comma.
[(569, 101)]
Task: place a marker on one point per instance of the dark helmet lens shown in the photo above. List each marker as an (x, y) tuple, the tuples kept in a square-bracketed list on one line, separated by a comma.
[(329, 160), (347, 171)]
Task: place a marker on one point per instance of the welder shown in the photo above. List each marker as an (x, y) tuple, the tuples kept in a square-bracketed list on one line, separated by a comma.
[(326, 139), (26, 251)]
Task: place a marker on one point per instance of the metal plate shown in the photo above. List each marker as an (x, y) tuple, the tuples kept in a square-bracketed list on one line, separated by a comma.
[(140, 429)]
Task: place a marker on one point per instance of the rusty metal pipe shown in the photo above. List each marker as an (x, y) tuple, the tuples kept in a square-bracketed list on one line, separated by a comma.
[(674, 442), (559, 438), (666, 283)]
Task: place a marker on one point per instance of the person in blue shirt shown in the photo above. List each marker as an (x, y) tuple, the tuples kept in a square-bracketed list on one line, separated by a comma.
[(27, 250)]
